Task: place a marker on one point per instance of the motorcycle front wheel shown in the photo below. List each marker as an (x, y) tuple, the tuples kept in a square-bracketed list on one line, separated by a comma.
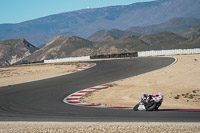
[(136, 107)]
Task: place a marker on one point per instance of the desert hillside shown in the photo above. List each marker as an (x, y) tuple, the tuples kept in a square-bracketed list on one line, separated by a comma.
[(14, 50)]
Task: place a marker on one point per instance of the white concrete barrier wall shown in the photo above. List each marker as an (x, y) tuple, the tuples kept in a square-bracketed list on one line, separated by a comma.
[(67, 59), (168, 52)]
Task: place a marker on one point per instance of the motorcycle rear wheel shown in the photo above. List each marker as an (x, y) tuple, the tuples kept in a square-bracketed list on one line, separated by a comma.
[(151, 106)]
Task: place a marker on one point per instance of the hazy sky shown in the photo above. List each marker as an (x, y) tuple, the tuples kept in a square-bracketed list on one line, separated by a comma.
[(14, 11)]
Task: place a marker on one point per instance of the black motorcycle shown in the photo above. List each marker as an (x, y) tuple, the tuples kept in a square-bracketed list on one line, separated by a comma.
[(149, 103)]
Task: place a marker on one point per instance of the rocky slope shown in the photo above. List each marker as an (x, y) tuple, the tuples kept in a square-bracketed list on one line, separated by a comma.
[(97, 36), (60, 47), (14, 50), (158, 41), (191, 33)]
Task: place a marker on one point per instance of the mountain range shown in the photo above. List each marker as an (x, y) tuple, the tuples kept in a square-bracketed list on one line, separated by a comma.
[(87, 21), (21, 51), (65, 46), (174, 25)]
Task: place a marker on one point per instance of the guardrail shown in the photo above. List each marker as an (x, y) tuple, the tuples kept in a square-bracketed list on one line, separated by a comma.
[(168, 52)]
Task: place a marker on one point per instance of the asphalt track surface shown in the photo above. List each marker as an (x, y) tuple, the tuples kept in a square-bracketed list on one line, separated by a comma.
[(43, 100)]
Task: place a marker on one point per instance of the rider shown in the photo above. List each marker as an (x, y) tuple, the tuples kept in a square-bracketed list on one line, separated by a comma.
[(148, 96)]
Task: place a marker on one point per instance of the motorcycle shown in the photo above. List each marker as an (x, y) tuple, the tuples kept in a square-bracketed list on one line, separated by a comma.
[(149, 102)]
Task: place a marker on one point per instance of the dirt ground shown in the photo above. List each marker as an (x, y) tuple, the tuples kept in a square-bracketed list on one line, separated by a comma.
[(80, 127), (27, 73), (179, 83)]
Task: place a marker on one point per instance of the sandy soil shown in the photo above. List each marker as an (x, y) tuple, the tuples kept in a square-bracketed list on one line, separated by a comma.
[(178, 83), (78, 127), (26, 73), (179, 79)]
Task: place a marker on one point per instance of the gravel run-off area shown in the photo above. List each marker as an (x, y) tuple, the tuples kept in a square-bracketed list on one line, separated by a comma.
[(90, 127)]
